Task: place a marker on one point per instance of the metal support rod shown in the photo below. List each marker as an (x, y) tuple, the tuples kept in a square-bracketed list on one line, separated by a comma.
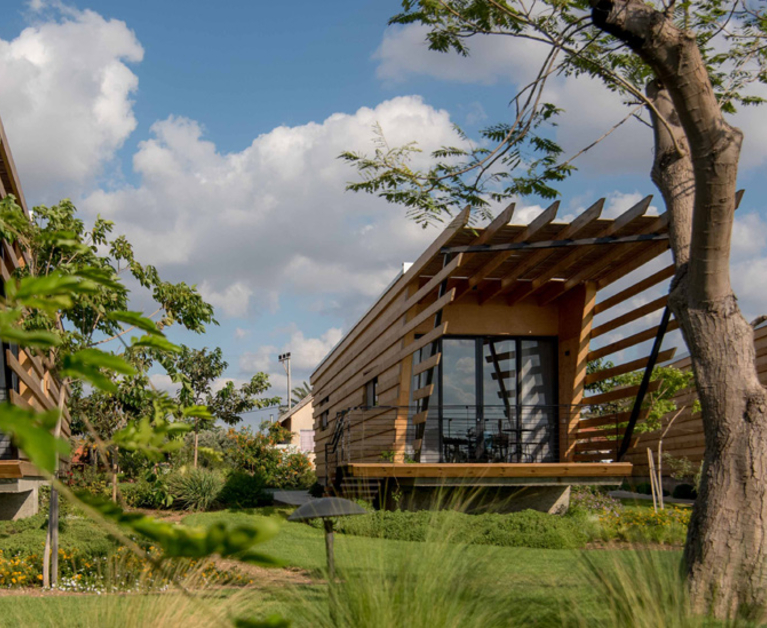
[(552, 244), (637, 409)]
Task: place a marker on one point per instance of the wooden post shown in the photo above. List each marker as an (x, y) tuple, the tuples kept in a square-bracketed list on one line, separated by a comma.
[(576, 311), (653, 479), (53, 527), (329, 547)]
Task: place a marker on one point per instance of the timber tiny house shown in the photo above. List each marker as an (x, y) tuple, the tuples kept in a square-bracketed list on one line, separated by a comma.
[(25, 379), (471, 368)]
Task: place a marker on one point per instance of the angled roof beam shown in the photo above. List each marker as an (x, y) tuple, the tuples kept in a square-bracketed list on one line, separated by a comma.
[(572, 230), (523, 290), (534, 227), (498, 223), (612, 258)]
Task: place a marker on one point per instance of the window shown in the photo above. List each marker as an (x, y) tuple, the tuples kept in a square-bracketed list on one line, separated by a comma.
[(492, 391), (324, 419), (307, 441), (371, 393)]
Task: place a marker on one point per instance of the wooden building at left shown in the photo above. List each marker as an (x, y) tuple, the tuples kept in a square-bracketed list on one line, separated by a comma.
[(26, 379)]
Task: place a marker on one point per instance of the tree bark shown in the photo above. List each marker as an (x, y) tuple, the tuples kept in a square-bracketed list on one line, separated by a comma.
[(726, 545)]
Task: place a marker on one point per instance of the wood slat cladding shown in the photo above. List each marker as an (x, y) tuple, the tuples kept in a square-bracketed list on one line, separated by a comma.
[(37, 388), (483, 292)]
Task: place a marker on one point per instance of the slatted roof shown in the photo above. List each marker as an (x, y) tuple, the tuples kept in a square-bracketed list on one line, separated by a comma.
[(565, 261)]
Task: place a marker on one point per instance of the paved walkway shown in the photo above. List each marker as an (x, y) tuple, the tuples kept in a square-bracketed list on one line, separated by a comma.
[(291, 498)]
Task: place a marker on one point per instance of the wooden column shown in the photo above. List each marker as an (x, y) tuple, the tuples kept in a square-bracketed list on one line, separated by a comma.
[(576, 312)]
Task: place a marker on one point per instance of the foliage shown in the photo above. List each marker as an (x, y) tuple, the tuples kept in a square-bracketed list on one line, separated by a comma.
[(297, 395), (520, 157), (244, 490), (26, 537), (90, 480), (645, 525), (196, 489), (591, 500), (256, 453), (659, 404), (198, 370), (680, 468), (528, 528), (152, 491)]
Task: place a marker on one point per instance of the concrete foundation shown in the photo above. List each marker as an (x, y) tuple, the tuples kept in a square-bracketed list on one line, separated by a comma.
[(543, 498), (19, 498)]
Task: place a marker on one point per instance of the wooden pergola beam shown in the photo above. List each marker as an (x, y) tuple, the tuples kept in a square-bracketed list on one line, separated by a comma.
[(523, 290), (572, 230), (534, 227)]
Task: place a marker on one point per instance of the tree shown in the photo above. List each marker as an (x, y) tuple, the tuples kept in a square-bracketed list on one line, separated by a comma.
[(33, 306), (297, 395), (198, 371), (688, 65)]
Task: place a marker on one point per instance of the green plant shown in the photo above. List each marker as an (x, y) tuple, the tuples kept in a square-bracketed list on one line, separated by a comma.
[(244, 490), (196, 489), (317, 490), (387, 456), (528, 528)]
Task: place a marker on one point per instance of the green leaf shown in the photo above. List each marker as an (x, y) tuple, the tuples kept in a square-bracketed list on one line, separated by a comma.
[(31, 432), (200, 412), (136, 320), (37, 339), (156, 342), (88, 363), (153, 439)]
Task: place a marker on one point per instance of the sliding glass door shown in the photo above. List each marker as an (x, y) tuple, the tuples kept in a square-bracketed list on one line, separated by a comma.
[(494, 401)]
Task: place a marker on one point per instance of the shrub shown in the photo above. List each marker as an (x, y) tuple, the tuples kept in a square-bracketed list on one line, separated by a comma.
[(644, 525), (528, 528), (591, 500), (196, 489), (643, 488), (685, 491), (150, 492), (257, 453), (244, 490), (294, 472)]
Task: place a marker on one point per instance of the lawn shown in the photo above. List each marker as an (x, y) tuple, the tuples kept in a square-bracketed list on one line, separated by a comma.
[(540, 584)]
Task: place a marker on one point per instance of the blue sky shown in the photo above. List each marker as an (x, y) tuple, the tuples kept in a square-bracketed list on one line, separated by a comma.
[(208, 132)]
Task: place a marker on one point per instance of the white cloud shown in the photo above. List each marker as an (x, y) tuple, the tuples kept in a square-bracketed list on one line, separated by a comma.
[(590, 108), (233, 300), (273, 218), (240, 333), (65, 90)]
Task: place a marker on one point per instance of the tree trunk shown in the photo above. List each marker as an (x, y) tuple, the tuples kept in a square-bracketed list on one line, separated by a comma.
[(196, 441), (726, 545)]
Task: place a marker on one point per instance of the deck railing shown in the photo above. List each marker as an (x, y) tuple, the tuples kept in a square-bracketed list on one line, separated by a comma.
[(468, 434)]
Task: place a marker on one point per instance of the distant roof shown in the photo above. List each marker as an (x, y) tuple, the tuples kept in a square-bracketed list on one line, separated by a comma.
[(295, 408)]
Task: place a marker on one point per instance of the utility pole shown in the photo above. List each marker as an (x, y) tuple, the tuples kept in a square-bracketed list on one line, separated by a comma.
[(285, 361)]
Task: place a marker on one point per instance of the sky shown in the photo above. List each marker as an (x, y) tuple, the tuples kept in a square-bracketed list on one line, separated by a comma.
[(209, 133)]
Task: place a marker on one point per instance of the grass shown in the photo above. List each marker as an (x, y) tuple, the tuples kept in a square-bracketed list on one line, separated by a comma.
[(535, 585)]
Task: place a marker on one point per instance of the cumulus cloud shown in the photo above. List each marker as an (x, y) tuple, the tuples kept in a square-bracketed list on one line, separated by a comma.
[(590, 109), (65, 97), (273, 217), (306, 354)]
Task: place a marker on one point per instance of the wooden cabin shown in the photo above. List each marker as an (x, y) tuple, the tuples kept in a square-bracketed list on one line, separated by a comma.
[(26, 378), (471, 368)]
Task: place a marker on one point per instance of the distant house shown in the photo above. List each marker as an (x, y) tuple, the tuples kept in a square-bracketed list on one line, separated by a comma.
[(472, 368), (26, 380), (300, 421)]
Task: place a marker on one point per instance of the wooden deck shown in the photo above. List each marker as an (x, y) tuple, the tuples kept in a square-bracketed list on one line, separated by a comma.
[(490, 470)]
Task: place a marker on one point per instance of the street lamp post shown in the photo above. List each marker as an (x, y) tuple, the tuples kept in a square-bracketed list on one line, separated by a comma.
[(285, 361)]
